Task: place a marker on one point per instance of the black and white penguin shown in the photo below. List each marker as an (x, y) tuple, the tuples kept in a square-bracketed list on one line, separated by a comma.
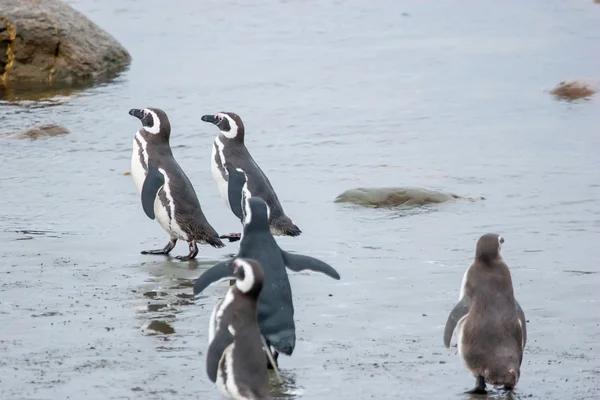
[(275, 305), (167, 194), (229, 151), (490, 324), (235, 358)]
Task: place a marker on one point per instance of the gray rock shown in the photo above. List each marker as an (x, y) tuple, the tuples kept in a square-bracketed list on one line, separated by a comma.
[(394, 197), (46, 130), (46, 42)]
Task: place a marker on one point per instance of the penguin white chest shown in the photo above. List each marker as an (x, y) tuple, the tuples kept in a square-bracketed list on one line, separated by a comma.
[(217, 163), (226, 381), (139, 162)]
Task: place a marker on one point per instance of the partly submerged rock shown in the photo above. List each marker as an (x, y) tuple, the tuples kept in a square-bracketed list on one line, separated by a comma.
[(37, 132), (576, 89), (394, 197), (45, 42)]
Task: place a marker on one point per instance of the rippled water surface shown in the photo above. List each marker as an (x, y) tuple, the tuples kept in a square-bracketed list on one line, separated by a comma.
[(334, 94)]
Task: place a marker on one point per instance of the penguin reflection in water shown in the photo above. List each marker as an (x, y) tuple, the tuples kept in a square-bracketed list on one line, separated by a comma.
[(490, 324), (167, 194), (235, 360), (275, 305), (229, 151)]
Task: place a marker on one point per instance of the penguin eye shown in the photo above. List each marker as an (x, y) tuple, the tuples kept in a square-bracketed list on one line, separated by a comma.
[(145, 112)]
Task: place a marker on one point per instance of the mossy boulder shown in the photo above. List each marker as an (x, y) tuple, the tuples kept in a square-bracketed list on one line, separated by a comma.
[(395, 197)]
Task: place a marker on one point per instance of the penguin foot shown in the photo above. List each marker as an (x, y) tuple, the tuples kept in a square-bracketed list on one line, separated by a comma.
[(232, 237), (479, 386), (193, 252), (164, 251)]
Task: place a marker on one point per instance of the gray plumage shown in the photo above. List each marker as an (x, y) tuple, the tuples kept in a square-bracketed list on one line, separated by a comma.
[(490, 323)]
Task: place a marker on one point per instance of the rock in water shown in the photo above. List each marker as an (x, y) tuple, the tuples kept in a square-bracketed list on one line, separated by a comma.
[(576, 89), (46, 130), (45, 42), (393, 197)]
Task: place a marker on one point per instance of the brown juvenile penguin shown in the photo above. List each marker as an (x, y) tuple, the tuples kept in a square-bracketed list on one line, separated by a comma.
[(490, 324)]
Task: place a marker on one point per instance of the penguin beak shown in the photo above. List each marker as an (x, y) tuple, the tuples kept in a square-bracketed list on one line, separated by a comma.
[(209, 118), (139, 114)]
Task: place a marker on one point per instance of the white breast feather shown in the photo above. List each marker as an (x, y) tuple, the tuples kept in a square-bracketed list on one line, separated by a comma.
[(463, 284), (173, 227), (138, 172), (216, 172), (231, 384), (212, 323)]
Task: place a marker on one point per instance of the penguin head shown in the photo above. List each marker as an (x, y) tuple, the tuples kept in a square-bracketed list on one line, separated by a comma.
[(154, 121), (488, 247), (249, 276), (230, 124), (256, 214)]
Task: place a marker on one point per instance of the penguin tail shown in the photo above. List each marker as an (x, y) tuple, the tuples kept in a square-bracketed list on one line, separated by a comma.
[(293, 231), (214, 241), (285, 227)]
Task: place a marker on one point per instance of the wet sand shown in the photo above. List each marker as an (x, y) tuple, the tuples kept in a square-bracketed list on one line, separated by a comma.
[(334, 96)]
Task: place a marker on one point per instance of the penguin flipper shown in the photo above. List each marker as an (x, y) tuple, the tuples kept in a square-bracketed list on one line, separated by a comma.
[(152, 184), (218, 272), (459, 311), (217, 347), (522, 321), (235, 190), (297, 263)]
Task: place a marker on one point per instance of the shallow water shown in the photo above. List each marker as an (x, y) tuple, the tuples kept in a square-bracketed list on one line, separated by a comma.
[(452, 96)]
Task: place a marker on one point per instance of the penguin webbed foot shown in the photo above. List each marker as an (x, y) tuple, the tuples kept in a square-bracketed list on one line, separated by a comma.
[(193, 252), (232, 237), (164, 251), (479, 387)]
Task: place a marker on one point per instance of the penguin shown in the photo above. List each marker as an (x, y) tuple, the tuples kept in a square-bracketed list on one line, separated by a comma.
[(166, 192), (275, 305), (229, 150), (235, 357), (490, 323)]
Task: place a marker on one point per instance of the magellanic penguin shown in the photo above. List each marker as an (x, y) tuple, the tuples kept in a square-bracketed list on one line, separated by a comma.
[(167, 194), (490, 323), (235, 358), (229, 151), (275, 305)]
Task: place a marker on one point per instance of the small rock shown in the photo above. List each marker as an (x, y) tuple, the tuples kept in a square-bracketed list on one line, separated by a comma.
[(161, 327), (46, 130), (126, 173), (442, 362), (576, 89), (154, 294)]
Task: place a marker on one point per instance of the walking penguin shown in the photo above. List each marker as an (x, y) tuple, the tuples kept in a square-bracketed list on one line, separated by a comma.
[(229, 151), (275, 305), (490, 324), (167, 194), (235, 360)]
